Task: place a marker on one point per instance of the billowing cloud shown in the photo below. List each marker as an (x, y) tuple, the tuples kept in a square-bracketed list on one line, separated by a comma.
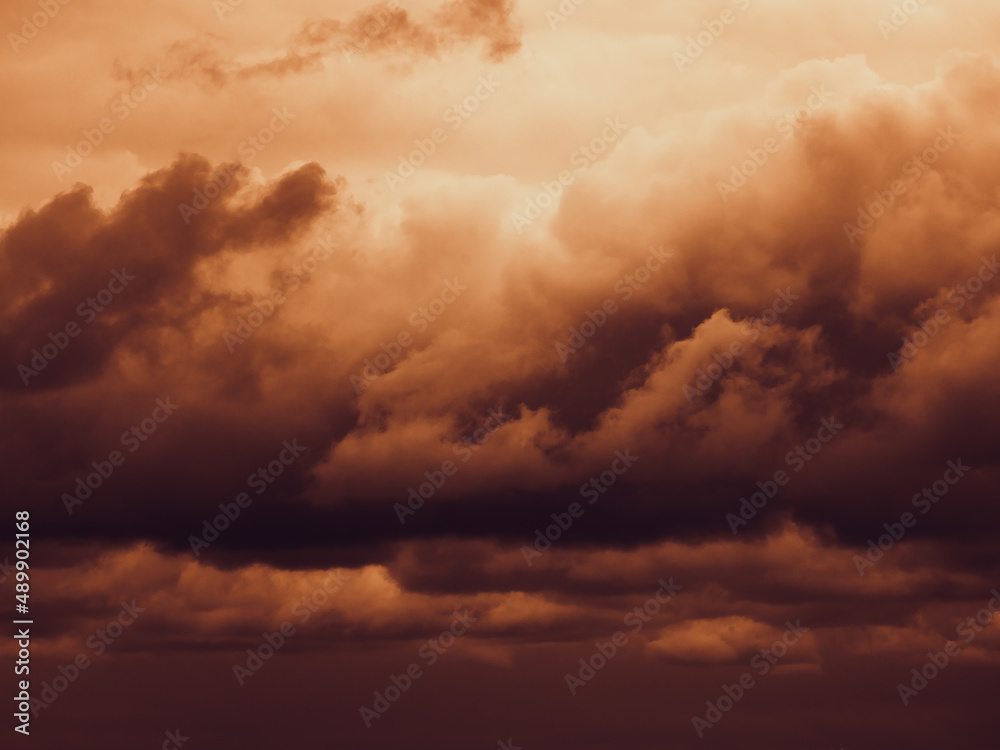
[(485, 326)]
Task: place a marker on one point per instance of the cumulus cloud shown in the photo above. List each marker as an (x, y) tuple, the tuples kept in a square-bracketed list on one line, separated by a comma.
[(768, 279)]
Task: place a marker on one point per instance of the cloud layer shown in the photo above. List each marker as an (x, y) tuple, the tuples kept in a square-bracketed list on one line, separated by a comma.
[(519, 311)]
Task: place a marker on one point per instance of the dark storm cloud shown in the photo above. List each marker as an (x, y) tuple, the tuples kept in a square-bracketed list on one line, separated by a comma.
[(58, 259), (816, 315)]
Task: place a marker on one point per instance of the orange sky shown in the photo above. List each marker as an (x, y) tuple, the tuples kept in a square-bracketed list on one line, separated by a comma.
[(513, 309)]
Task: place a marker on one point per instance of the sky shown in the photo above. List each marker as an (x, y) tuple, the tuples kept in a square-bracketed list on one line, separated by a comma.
[(494, 374)]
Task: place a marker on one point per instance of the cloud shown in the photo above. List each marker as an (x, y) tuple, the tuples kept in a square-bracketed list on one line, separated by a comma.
[(381, 30), (780, 244)]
